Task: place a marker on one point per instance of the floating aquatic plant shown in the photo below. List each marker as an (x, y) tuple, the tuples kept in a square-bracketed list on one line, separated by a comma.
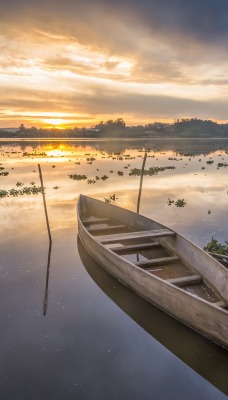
[(219, 165), (91, 159), (26, 154), (3, 193), (27, 190), (104, 177), (170, 202), (77, 177), (110, 198), (180, 203), (215, 247), (151, 171)]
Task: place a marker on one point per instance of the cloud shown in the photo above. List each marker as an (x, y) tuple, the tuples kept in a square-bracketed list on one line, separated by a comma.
[(91, 49), (102, 101), (122, 26)]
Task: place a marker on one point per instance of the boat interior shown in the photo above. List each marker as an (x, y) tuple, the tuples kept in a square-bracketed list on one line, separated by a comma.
[(147, 250)]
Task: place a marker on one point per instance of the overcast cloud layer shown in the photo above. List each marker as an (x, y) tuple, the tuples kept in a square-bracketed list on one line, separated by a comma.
[(86, 60)]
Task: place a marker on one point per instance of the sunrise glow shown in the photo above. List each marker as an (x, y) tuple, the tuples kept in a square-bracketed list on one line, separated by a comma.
[(64, 71)]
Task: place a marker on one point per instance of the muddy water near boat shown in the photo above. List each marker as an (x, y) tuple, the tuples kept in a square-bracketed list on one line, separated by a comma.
[(94, 340)]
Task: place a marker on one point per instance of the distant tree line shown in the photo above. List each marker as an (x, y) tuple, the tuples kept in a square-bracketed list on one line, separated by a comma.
[(197, 127), (185, 127)]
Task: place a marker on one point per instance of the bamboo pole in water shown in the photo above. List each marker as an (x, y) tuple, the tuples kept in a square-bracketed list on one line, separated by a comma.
[(44, 201), (141, 182)]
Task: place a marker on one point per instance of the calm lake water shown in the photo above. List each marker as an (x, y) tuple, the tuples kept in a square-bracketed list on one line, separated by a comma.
[(68, 329)]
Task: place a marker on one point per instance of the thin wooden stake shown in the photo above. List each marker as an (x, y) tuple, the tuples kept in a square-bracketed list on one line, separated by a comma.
[(141, 182), (44, 201)]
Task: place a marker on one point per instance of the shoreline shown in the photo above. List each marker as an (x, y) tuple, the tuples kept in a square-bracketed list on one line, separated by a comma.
[(61, 139)]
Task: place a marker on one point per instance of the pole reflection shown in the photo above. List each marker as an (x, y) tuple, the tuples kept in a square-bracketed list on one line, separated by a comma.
[(45, 300)]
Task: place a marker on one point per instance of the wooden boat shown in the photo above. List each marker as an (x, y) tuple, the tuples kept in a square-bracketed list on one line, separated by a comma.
[(200, 354), (160, 265)]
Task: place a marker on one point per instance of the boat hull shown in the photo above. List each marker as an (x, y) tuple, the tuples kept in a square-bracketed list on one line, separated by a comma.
[(182, 341), (198, 314)]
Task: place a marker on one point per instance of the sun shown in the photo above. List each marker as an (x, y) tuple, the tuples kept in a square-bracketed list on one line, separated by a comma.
[(57, 122)]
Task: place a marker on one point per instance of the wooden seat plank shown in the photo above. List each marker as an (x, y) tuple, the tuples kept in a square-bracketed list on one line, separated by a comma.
[(157, 261), (135, 247), (135, 235), (92, 221), (106, 228), (186, 280)]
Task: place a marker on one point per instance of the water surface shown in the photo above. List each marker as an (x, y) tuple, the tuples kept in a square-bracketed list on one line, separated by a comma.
[(97, 339)]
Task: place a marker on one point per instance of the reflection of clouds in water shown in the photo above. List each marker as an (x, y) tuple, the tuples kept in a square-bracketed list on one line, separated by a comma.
[(200, 188), (84, 335)]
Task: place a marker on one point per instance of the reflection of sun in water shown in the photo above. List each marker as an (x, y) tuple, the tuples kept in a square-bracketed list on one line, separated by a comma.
[(55, 153), (58, 154)]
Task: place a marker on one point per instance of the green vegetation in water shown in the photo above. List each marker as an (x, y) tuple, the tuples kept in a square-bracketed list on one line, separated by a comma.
[(110, 198), (3, 193), (215, 247), (178, 203), (170, 202), (27, 190), (104, 177), (151, 171), (26, 154), (219, 165), (77, 177)]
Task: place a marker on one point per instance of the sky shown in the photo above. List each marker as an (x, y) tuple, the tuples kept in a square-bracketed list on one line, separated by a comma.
[(78, 62)]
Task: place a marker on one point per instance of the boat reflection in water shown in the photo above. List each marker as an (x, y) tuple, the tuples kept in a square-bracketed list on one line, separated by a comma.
[(206, 358)]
